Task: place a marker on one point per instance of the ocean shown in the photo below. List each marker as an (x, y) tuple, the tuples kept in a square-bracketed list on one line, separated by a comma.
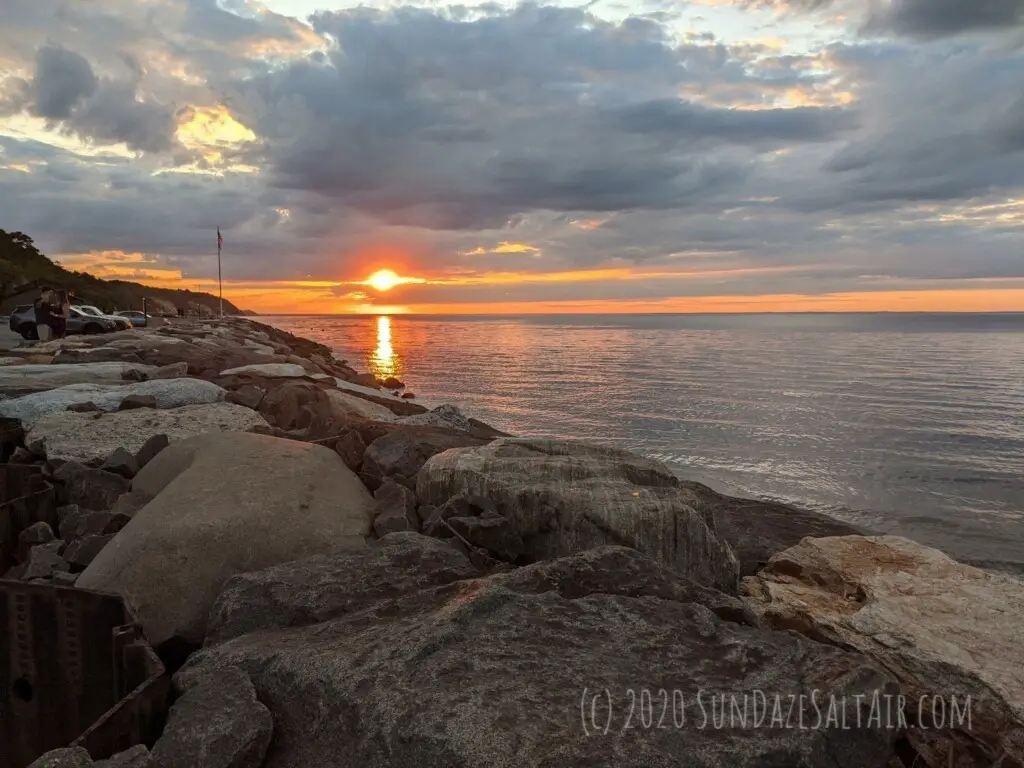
[(908, 424)]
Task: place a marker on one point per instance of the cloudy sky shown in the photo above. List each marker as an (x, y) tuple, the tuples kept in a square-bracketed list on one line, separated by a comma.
[(637, 155)]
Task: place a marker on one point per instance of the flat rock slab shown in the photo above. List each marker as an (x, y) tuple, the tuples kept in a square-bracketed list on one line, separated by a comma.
[(226, 504), (942, 628), (359, 389), (565, 497), (269, 370), (325, 587), (357, 406), (23, 379), (86, 437), (167, 393), (510, 671)]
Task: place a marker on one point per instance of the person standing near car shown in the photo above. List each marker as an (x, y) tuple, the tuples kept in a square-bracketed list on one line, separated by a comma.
[(45, 315), (61, 324)]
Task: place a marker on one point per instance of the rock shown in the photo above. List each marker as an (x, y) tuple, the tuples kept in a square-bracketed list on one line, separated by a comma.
[(128, 504), (71, 757), (756, 530), (218, 723), (132, 402), (42, 563), (80, 437), (396, 509), (269, 370), (64, 579), (172, 371), (367, 380), (564, 497), (98, 355), (86, 522), (22, 379), (408, 395), (89, 488), (504, 671), (494, 534), (247, 395), (172, 393), (83, 551), (447, 416), (136, 757), (943, 629), (392, 383), (150, 449), (351, 405), (303, 406), (22, 455), (350, 447), (37, 533), (224, 504), (401, 453), (122, 463), (325, 587)]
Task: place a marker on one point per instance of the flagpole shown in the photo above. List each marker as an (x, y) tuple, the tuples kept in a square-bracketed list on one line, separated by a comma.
[(220, 279)]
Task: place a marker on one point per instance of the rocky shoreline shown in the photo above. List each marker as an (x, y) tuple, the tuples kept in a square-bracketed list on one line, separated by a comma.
[(336, 575)]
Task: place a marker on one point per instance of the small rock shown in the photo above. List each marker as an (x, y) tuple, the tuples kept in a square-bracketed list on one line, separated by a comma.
[(42, 563), (365, 380), (493, 534), (86, 407), (64, 579), (91, 488), (392, 383), (132, 375), (136, 757), (71, 757), (396, 509), (350, 447), (66, 511), (83, 551), (22, 455), (219, 718), (122, 463), (248, 395), (390, 522), (86, 522), (172, 371), (128, 504), (408, 395), (150, 449), (37, 533), (132, 402)]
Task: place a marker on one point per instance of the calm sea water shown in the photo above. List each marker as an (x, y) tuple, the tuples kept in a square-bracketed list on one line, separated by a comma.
[(908, 424)]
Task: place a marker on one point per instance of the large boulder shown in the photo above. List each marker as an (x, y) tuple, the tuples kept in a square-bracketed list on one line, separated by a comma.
[(564, 497), (225, 504), (171, 393), (756, 530), (447, 416), (554, 665), (89, 437), (948, 632), (89, 488), (269, 370), (401, 452), (352, 405), (23, 379), (325, 587)]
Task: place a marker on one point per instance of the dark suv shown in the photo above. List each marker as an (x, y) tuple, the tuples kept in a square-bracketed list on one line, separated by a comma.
[(23, 321)]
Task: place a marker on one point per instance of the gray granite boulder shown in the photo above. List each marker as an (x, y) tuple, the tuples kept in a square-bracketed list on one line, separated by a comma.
[(71, 757), (325, 587), (87, 437), (224, 504), (23, 379), (564, 497), (89, 488), (402, 452), (135, 757), (447, 416), (217, 723), (513, 670)]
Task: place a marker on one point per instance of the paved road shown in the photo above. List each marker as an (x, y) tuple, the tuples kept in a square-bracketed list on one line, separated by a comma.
[(8, 340)]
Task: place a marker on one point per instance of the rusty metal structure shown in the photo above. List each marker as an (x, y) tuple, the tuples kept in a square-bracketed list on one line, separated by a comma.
[(74, 666)]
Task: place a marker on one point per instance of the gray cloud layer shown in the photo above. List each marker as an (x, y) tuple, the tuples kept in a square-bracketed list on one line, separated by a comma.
[(442, 131)]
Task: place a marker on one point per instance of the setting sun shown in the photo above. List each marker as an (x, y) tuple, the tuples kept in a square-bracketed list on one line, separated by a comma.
[(384, 280)]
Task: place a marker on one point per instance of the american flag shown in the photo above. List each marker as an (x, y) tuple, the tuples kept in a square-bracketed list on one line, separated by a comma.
[(220, 240)]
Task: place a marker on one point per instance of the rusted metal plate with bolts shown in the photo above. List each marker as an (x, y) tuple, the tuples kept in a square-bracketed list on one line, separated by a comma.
[(26, 497), (74, 669)]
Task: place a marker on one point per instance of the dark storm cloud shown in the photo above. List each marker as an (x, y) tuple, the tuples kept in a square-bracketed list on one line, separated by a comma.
[(925, 19), (63, 79), (426, 121)]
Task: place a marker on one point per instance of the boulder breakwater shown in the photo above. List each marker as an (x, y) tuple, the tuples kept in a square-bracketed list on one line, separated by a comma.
[(336, 575)]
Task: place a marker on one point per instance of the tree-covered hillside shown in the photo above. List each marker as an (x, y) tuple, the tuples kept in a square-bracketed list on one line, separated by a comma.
[(21, 264)]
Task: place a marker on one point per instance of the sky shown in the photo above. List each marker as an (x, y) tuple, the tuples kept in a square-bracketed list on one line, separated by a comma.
[(607, 156)]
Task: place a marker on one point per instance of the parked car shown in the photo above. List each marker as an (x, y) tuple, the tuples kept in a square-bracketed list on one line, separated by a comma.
[(23, 321), (138, 319), (123, 323)]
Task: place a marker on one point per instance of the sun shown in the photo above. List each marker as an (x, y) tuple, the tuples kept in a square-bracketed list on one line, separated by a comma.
[(384, 280)]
